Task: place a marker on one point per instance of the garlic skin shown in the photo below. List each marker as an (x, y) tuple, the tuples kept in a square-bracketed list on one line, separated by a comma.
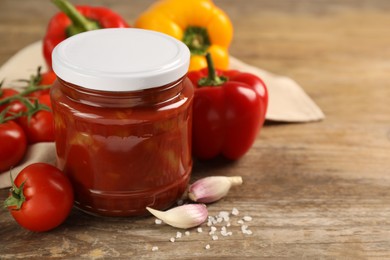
[(185, 216), (213, 188)]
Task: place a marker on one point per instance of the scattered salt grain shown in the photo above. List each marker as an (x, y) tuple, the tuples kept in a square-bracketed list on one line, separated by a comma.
[(212, 230), (211, 221), (248, 232), (221, 221), (224, 215), (245, 230), (247, 218), (225, 233)]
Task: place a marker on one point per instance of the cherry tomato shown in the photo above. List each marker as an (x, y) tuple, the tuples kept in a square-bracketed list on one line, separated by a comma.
[(15, 106), (40, 127), (48, 78), (41, 198), (13, 145), (4, 93), (45, 99)]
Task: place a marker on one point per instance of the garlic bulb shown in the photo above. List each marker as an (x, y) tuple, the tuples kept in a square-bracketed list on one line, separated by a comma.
[(212, 188), (185, 216)]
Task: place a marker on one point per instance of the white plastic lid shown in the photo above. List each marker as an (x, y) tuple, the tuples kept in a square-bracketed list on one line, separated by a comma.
[(120, 59)]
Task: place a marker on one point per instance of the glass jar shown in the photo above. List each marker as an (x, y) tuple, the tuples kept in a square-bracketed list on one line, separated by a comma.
[(122, 118)]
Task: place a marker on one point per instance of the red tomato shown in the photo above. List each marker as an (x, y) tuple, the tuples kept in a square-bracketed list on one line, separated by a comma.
[(38, 93), (47, 197), (45, 99), (13, 145), (4, 93), (40, 128), (15, 106), (48, 78)]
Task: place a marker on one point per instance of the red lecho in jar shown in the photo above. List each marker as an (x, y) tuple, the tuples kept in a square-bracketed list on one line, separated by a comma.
[(122, 108)]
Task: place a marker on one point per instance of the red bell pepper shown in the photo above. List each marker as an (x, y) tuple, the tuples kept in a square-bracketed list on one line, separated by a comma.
[(73, 20), (228, 111)]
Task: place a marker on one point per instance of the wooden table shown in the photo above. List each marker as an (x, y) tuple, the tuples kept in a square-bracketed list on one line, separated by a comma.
[(315, 191)]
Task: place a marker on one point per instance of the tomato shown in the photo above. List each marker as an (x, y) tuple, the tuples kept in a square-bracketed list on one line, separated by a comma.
[(4, 93), (48, 78), (13, 145), (45, 79), (45, 99), (41, 198), (40, 127), (15, 106)]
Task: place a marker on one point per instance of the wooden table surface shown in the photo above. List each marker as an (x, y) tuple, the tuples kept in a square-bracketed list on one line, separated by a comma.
[(314, 191)]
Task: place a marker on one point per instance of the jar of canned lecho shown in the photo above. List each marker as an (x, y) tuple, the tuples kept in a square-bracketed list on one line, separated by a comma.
[(122, 109)]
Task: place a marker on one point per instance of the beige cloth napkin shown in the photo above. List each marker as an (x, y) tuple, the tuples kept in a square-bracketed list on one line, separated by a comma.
[(287, 100)]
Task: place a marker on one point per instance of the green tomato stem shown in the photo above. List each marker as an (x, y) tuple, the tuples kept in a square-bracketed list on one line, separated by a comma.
[(28, 90), (16, 198)]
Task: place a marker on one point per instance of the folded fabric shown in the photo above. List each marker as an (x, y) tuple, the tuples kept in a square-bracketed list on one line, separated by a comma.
[(287, 100)]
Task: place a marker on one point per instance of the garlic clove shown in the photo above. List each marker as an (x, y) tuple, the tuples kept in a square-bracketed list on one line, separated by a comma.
[(185, 216), (212, 188)]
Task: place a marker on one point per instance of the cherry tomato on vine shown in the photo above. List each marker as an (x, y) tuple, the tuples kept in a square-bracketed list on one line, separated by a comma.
[(48, 78), (15, 106), (13, 145), (45, 79), (45, 99), (39, 128), (41, 197), (5, 93)]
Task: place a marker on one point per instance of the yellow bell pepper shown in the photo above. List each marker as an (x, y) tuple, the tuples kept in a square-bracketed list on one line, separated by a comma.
[(201, 25)]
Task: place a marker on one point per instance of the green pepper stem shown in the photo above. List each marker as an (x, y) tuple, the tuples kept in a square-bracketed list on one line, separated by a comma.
[(197, 39), (79, 22), (211, 67), (212, 79)]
